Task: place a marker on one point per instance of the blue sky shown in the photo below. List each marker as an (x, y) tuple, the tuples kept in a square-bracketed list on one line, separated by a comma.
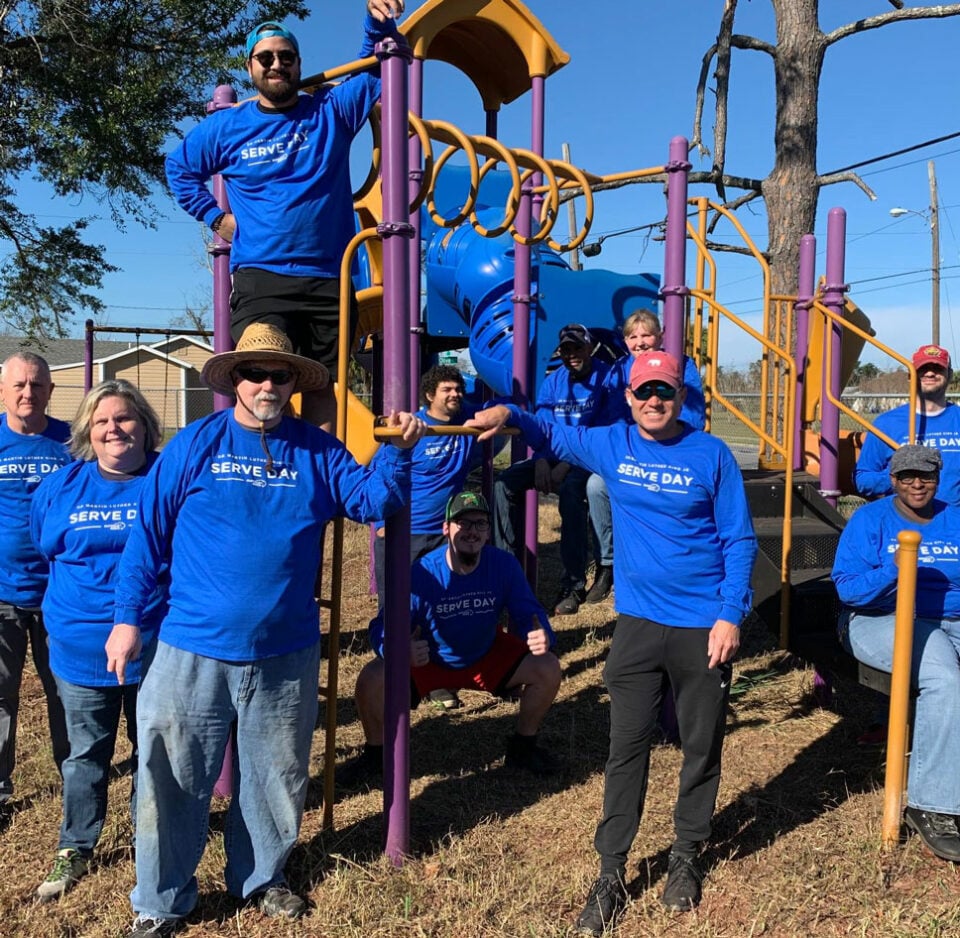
[(629, 88)]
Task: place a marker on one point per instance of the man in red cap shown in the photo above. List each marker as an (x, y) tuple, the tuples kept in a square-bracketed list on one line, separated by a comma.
[(937, 423), (683, 554)]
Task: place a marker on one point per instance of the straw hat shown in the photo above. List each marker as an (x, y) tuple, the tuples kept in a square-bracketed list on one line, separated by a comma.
[(263, 342)]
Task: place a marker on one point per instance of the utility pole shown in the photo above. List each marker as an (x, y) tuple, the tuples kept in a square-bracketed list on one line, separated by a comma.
[(935, 247), (571, 213)]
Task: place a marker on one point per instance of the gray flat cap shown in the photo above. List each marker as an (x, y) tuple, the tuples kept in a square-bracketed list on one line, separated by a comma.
[(916, 458)]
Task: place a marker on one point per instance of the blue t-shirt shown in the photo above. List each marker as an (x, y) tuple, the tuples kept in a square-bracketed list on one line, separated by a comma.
[(25, 461), (441, 465), (694, 408), (864, 570), (458, 614), (872, 474), (683, 539), (573, 402), (242, 541), (287, 172), (80, 521)]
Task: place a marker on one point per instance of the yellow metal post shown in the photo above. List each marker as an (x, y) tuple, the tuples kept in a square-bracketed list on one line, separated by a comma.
[(893, 786)]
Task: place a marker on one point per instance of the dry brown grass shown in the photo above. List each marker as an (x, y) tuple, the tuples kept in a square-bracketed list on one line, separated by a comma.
[(796, 847)]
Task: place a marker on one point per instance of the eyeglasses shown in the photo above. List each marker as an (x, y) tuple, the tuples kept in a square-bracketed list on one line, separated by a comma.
[(909, 476), (259, 375), (480, 525), (284, 56), (665, 392)]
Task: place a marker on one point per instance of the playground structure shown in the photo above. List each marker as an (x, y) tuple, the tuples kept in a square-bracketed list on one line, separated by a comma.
[(808, 342)]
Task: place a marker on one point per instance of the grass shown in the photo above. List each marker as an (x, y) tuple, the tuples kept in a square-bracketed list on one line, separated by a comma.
[(795, 851)]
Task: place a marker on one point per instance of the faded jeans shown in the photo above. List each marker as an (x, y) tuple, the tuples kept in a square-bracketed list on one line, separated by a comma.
[(933, 783), (186, 707)]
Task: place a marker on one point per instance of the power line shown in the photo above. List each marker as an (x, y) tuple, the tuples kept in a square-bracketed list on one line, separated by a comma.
[(887, 156)]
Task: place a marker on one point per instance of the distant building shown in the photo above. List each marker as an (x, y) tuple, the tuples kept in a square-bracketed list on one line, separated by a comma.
[(167, 373)]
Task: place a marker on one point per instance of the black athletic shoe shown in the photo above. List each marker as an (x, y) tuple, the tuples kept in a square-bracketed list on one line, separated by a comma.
[(602, 584), (605, 903), (524, 753), (938, 831), (569, 603), (280, 901), (684, 876)]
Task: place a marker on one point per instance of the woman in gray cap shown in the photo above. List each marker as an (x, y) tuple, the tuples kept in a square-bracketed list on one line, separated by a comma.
[(865, 572)]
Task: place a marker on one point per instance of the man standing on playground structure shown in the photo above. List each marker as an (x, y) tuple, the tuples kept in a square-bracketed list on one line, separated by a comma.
[(284, 157), (937, 424), (235, 504), (684, 552), (458, 593), (32, 445)]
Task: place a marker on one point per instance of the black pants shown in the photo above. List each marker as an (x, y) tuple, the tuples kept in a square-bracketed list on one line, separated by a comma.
[(642, 654)]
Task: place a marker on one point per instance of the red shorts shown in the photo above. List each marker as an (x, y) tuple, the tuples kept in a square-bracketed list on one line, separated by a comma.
[(491, 673)]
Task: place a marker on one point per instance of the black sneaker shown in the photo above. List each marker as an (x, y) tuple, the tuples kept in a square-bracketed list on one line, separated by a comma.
[(938, 831), (684, 876), (569, 603), (527, 755), (280, 901), (605, 902), (153, 927), (366, 771), (602, 584)]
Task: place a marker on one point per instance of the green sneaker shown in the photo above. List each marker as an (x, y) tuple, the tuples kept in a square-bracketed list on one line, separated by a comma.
[(68, 868)]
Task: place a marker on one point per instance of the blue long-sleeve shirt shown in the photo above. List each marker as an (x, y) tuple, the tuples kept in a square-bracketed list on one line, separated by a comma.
[(684, 545), (242, 541), (864, 570), (80, 521), (287, 172), (872, 474), (25, 461), (571, 401), (458, 614)]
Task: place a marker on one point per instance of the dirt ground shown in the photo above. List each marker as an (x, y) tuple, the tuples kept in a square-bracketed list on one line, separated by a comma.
[(796, 847)]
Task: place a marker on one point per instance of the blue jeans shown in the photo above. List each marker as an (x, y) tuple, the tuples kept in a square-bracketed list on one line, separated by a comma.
[(93, 718), (601, 517), (508, 491), (186, 707), (933, 783), (18, 628)]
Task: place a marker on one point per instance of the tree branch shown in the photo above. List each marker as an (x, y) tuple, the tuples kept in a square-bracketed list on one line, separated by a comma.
[(833, 178), (723, 93), (894, 16)]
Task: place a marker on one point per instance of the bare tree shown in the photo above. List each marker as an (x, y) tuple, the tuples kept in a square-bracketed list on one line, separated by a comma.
[(792, 189)]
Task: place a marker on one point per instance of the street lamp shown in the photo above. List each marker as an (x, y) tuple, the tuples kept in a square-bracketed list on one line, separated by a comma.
[(930, 215)]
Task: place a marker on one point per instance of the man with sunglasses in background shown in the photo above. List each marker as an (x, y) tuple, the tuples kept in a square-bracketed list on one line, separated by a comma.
[(683, 556), (936, 423), (573, 395), (284, 157), (458, 594), (231, 515)]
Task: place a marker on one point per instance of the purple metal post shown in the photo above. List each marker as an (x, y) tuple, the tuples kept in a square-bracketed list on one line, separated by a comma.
[(674, 290), (833, 294), (396, 233), (415, 156), (492, 119), (486, 480), (223, 97), (805, 284), (88, 356)]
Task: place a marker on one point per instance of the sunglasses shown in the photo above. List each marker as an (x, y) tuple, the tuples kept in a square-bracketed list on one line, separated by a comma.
[(285, 56), (480, 525), (909, 476), (259, 375), (665, 392)]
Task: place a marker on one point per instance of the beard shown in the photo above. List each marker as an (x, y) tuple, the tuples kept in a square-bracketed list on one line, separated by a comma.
[(266, 407), (276, 92)]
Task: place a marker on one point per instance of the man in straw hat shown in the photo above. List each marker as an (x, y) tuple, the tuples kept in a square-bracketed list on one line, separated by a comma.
[(233, 510), (684, 552), (284, 157)]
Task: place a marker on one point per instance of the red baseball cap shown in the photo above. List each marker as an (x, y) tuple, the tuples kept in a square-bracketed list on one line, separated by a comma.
[(931, 355), (656, 366)]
